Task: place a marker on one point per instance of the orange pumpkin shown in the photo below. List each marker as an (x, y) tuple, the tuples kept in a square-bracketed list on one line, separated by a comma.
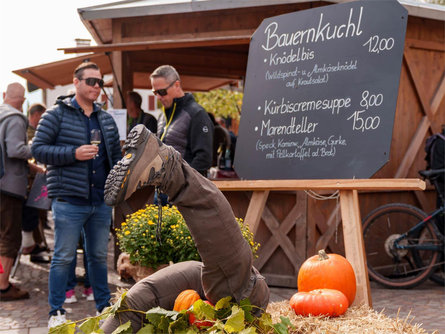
[(185, 299), (327, 302), (327, 271)]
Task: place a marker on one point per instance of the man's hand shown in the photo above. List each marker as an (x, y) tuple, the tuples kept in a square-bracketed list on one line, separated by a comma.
[(86, 152)]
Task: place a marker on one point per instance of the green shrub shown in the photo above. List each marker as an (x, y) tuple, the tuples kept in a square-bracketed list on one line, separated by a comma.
[(138, 237)]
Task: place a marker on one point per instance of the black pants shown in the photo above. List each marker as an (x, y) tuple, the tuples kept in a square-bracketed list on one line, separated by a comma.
[(30, 218)]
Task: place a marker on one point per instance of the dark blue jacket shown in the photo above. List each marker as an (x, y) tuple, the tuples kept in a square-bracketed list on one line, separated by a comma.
[(60, 131)]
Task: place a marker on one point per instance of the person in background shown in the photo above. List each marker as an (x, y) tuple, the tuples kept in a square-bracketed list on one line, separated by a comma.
[(184, 124), (227, 124), (438, 162), (221, 142), (31, 238), (77, 170), (35, 112), (15, 155), (137, 115)]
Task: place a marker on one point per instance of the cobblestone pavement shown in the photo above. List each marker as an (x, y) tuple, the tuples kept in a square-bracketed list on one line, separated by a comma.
[(426, 302)]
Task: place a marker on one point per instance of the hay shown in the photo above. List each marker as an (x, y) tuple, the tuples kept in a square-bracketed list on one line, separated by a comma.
[(363, 320)]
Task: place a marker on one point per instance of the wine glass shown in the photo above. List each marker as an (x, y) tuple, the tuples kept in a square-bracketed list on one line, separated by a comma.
[(95, 138)]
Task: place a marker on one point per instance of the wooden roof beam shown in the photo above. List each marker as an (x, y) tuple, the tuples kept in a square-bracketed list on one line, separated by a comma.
[(208, 63), (34, 78), (160, 45), (91, 27)]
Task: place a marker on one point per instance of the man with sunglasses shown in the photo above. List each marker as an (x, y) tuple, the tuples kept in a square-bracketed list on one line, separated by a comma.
[(184, 124), (76, 175)]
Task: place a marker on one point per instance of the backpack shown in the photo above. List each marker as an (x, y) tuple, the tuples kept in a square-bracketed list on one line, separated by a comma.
[(429, 148)]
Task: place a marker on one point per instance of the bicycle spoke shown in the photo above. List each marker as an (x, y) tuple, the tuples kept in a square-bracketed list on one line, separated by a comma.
[(393, 260)]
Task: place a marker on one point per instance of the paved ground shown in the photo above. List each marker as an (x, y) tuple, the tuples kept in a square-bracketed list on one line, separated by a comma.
[(426, 303)]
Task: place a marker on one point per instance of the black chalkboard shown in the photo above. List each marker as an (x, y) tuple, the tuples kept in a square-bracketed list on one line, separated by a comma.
[(321, 91)]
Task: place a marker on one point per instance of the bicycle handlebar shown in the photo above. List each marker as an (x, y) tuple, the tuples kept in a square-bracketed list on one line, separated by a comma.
[(431, 173)]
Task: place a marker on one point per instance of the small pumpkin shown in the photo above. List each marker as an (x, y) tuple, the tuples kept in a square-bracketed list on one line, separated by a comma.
[(327, 302), (327, 271), (185, 299)]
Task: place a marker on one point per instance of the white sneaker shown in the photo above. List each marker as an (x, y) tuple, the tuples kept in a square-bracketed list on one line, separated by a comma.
[(56, 320), (98, 314), (90, 297), (88, 294), (70, 297)]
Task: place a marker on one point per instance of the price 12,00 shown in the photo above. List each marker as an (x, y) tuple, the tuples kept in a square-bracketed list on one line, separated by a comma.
[(376, 44), (360, 123)]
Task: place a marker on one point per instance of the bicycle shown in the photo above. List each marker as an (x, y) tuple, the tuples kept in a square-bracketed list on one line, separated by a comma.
[(404, 245)]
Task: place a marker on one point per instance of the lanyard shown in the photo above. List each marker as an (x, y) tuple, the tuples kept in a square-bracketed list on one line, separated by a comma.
[(169, 121)]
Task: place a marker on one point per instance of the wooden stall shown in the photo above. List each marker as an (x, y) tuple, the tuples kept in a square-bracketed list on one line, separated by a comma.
[(210, 39)]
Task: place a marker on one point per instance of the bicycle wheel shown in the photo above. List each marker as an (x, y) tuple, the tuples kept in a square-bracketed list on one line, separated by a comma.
[(438, 275), (397, 268)]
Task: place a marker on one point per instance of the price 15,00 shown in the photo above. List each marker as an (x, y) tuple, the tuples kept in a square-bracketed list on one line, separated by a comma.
[(364, 123)]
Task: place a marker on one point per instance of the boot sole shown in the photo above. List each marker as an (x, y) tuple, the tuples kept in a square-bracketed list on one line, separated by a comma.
[(117, 185)]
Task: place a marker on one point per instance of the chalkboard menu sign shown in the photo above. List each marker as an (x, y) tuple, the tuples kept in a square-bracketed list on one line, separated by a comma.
[(321, 91)]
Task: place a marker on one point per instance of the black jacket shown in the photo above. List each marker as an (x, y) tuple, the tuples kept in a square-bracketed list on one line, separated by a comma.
[(148, 120), (190, 132)]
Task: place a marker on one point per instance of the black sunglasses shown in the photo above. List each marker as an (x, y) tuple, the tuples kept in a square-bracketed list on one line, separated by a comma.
[(163, 92), (93, 81)]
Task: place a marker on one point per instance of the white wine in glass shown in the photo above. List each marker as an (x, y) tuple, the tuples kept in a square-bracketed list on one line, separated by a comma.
[(95, 138)]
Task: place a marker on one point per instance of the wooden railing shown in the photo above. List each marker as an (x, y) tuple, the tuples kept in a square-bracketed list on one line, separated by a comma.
[(350, 212)]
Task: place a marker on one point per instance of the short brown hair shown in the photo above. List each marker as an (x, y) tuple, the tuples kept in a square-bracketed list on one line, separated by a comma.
[(36, 108), (78, 72), (135, 97)]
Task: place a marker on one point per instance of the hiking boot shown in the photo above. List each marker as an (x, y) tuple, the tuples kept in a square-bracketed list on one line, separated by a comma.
[(143, 164), (13, 293)]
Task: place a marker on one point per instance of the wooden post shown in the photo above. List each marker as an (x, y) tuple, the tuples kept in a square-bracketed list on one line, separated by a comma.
[(354, 245), (255, 209), (122, 71)]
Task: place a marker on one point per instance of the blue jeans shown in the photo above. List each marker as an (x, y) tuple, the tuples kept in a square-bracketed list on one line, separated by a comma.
[(69, 220), (72, 279)]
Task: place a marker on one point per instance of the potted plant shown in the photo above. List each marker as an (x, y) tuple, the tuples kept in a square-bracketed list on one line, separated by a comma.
[(151, 247)]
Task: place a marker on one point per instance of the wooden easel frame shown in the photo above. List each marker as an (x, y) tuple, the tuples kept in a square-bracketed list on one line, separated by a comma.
[(349, 206)]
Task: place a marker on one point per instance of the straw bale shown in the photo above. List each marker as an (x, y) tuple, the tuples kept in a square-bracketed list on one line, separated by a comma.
[(363, 320)]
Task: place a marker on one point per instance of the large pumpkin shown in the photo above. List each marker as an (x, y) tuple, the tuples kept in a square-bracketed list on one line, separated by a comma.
[(327, 302), (185, 299), (327, 271)]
